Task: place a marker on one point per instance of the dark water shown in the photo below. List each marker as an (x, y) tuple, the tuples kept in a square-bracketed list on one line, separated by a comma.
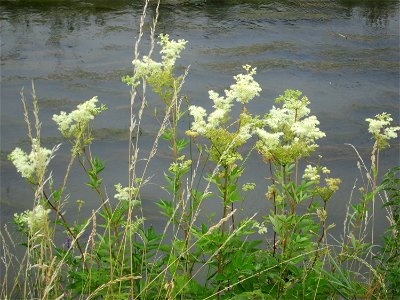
[(344, 55)]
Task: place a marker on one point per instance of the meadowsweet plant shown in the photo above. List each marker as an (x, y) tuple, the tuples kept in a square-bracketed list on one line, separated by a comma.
[(159, 75), (36, 220), (226, 136), (291, 133), (74, 125), (32, 166), (381, 130), (282, 252)]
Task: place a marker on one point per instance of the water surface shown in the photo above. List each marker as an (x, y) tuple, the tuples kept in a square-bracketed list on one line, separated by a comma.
[(344, 55)]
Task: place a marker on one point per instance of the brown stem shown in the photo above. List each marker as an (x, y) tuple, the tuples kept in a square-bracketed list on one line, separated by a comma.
[(61, 216)]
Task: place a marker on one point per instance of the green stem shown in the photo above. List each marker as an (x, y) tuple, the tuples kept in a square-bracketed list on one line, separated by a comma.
[(100, 194)]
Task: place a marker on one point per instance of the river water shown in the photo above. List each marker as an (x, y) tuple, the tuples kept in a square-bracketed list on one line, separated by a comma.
[(344, 55)]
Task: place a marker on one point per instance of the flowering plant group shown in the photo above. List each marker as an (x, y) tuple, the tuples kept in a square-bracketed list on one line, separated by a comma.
[(284, 253)]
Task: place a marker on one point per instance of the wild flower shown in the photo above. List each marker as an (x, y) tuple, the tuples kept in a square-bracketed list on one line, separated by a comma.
[(33, 164), (270, 141), (292, 132), (73, 124), (245, 88), (245, 132), (214, 126), (198, 113), (325, 170), (326, 192), (322, 214), (36, 220), (333, 183), (311, 173), (261, 228), (123, 194), (307, 129), (272, 190), (381, 130), (170, 49), (158, 74), (145, 68)]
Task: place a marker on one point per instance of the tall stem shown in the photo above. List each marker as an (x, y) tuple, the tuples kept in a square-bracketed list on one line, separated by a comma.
[(61, 216), (274, 199), (225, 199)]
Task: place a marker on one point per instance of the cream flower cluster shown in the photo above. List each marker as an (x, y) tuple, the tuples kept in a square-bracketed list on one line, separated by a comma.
[(147, 67), (33, 163), (180, 167), (123, 194), (270, 140), (244, 90), (198, 113), (70, 125), (36, 220), (311, 173), (381, 130), (292, 132), (170, 49)]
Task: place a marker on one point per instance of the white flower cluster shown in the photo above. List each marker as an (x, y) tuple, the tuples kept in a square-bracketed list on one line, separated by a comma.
[(147, 67), (311, 173), (245, 132), (381, 130), (170, 49), (291, 129), (270, 140), (70, 125), (198, 113), (307, 129), (244, 90), (123, 194), (261, 228), (36, 220), (33, 163)]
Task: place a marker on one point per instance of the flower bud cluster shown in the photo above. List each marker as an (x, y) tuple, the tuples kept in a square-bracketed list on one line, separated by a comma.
[(181, 167)]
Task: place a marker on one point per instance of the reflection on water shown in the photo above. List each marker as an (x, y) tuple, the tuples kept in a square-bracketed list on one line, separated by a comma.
[(343, 54), (376, 12)]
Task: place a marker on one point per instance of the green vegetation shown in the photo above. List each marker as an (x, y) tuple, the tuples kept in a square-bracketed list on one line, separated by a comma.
[(284, 253)]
